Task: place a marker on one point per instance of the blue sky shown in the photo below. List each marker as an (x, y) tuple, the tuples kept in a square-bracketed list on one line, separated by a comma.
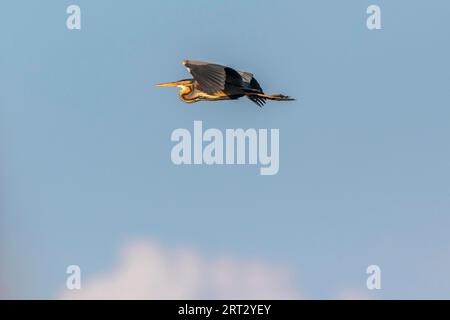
[(364, 151)]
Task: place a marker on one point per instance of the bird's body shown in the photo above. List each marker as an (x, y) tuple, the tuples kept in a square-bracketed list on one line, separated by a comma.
[(191, 92), (213, 82)]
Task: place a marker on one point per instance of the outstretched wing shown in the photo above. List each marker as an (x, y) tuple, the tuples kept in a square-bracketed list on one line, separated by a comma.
[(213, 77)]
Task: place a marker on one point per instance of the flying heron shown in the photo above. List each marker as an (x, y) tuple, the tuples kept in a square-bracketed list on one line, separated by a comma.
[(214, 82)]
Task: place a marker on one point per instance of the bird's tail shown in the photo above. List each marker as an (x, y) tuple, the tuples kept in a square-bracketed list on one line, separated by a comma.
[(276, 97)]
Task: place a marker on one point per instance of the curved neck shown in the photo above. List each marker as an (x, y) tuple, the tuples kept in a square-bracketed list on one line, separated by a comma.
[(185, 94)]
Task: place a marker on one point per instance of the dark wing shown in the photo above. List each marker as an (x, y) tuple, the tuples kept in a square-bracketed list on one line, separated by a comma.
[(251, 85), (214, 77), (210, 77), (246, 76)]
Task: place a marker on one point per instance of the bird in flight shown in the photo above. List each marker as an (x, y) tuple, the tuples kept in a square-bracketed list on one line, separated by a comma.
[(214, 82)]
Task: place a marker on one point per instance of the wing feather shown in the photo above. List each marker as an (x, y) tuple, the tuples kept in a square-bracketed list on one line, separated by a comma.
[(210, 77)]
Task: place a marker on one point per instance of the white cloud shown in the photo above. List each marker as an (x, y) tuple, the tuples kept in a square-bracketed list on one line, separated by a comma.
[(146, 270)]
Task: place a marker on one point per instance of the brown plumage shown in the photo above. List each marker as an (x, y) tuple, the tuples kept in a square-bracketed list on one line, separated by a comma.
[(214, 82)]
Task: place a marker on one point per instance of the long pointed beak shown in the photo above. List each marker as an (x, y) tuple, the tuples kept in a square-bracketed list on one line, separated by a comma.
[(167, 84)]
